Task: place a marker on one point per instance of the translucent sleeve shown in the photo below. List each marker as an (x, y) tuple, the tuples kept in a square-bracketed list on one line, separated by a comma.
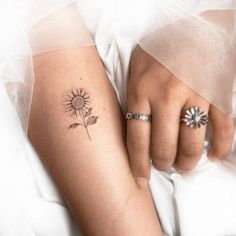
[(195, 40), (31, 27)]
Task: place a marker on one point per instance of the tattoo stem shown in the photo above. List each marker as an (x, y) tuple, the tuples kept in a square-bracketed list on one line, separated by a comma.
[(88, 132), (86, 127)]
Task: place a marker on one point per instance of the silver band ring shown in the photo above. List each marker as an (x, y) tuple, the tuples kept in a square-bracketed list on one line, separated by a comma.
[(137, 116), (194, 117)]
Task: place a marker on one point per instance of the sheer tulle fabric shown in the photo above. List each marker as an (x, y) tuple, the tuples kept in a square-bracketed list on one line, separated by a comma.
[(196, 41), (30, 27)]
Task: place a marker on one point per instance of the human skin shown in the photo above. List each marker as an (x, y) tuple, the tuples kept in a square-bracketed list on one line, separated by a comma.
[(152, 89), (89, 163)]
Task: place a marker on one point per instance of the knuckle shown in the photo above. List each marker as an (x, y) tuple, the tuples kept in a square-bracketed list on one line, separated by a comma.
[(223, 140), (221, 151), (168, 98), (163, 158), (224, 155), (138, 61), (174, 85), (137, 145), (226, 133), (173, 89), (163, 154), (191, 150), (137, 88)]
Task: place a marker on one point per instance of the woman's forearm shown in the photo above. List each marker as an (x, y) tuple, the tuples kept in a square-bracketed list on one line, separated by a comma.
[(76, 127)]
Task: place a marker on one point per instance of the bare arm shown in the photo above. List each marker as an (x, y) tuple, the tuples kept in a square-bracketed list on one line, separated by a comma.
[(76, 126)]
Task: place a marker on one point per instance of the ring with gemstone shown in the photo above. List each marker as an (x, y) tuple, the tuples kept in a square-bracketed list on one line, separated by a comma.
[(137, 116), (195, 117)]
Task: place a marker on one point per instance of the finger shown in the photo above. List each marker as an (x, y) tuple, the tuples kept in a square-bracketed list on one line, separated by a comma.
[(191, 140), (138, 140), (164, 135), (223, 132)]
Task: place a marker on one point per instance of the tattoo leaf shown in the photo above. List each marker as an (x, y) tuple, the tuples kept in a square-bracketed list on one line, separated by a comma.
[(89, 112), (73, 126), (91, 120)]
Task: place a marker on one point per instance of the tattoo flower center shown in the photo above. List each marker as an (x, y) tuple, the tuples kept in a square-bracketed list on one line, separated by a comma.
[(77, 104)]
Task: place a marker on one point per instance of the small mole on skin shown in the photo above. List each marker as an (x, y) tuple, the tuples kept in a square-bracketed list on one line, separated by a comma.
[(104, 109), (81, 78)]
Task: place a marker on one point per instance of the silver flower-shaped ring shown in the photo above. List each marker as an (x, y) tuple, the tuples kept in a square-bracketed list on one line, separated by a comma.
[(195, 118)]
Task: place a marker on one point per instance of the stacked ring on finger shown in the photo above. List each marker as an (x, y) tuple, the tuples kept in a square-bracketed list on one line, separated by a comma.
[(195, 117), (137, 116)]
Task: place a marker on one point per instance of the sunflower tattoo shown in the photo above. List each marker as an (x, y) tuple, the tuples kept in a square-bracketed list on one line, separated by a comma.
[(77, 104)]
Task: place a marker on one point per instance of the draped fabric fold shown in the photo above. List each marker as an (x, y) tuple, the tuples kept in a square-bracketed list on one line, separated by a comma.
[(196, 41)]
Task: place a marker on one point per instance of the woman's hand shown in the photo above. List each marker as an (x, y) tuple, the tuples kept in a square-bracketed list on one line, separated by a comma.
[(152, 89)]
